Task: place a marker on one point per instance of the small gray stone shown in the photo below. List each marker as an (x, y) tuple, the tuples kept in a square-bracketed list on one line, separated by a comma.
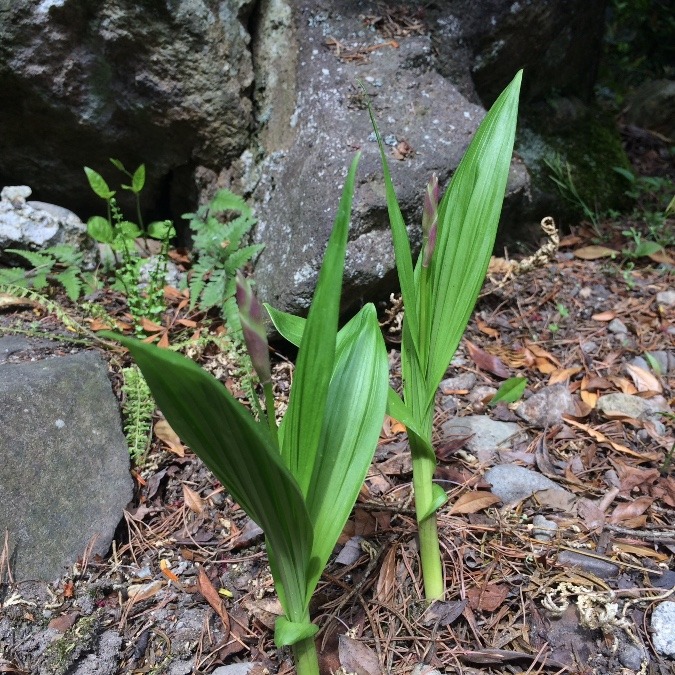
[(631, 656), (663, 628), (635, 407), (486, 433), (423, 669), (589, 347), (666, 298), (640, 363), (236, 669), (513, 483), (543, 529), (463, 382), (617, 326), (449, 404), (547, 406)]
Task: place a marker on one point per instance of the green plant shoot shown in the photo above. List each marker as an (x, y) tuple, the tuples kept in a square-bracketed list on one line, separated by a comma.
[(439, 294), (300, 488)]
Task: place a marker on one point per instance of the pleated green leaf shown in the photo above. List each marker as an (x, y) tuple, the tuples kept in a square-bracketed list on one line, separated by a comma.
[(352, 424), (468, 218), (307, 402), (240, 453)]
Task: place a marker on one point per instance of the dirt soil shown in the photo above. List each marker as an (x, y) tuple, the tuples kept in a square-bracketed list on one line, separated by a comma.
[(186, 587)]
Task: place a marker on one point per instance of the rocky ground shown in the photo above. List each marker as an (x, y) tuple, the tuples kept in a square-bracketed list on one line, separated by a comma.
[(558, 537)]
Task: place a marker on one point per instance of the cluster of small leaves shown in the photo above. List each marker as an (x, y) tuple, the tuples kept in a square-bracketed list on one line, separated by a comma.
[(61, 264), (138, 407), (218, 252), (145, 301)]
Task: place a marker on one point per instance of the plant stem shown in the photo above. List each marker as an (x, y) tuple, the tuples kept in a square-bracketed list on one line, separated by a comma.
[(430, 550), (271, 413), (306, 659)]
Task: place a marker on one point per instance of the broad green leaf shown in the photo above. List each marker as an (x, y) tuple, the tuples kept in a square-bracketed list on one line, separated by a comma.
[(290, 326), (351, 428), (98, 184), (399, 233), (646, 248), (100, 229), (138, 179), (400, 412), (288, 633), (468, 218), (241, 455), (161, 229), (439, 497), (128, 230), (307, 401), (118, 165), (510, 391)]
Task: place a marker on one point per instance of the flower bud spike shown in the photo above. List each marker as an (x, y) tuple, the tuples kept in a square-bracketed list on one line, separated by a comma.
[(430, 220), (253, 327)]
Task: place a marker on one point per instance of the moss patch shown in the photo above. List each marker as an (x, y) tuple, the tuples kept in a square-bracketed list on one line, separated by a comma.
[(585, 138)]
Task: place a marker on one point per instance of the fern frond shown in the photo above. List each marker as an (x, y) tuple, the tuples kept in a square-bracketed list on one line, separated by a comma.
[(36, 259), (138, 407), (71, 281)]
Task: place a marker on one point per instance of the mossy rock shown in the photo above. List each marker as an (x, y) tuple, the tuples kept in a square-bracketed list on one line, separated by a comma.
[(585, 138)]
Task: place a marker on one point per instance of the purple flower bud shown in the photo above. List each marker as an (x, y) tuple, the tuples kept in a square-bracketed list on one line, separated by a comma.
[(253, 327)]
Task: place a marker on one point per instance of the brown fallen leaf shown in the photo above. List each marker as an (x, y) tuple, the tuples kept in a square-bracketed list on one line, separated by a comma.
[(210, 594), (166, 571), (386, 580), (358, 658), (604, 316), (601, 438), (7, 301), (595, 252), (629, 510), (472, 502), (192, 500), (487, 598), (63, 622), (662, 258), (643, 379), (166, 434), (486, 361)]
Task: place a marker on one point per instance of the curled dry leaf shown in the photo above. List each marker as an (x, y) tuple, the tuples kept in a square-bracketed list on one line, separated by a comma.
[(643, 379), (487, 598), (356, 657), (595, 252), (486, 361), (472, 502), (604, 316), (192, 500), (167, 435), (386, 581), (210, 594), (629, 510)]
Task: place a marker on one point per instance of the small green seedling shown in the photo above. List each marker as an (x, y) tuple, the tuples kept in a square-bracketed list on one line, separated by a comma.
[(510, 391), (144, 301)]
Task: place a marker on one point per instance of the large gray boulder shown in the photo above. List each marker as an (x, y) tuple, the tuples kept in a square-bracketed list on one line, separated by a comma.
[(30, 225), (426, 122), (64, 464), (84, 80)]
